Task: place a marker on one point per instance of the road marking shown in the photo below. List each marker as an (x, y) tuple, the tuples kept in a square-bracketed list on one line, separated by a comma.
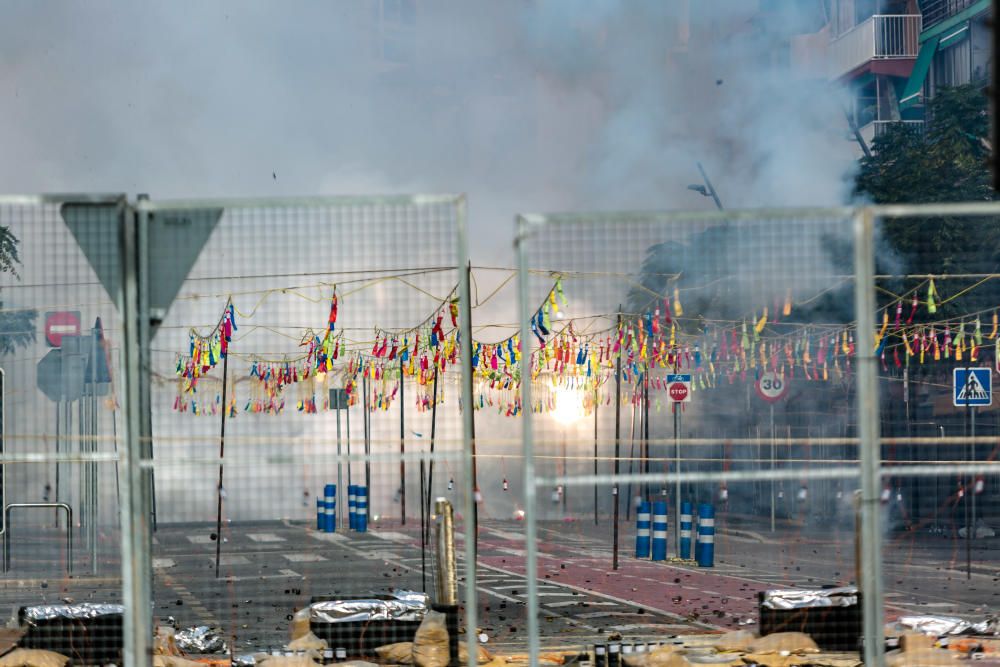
[(602, 614), (163, 563), (200, 539), (304, 558), (581, 603), (390, 535), (329, 537), (265, 537), (513, 537), (543, 594), (233, 560)]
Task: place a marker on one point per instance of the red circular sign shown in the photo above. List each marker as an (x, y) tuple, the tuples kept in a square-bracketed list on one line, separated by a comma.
[(678, 391), (61, 323)]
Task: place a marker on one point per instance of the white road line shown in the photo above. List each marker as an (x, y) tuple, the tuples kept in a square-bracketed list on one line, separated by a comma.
[(163, 563), (265, 537), (199, 539), (233, 560), (303, 558)]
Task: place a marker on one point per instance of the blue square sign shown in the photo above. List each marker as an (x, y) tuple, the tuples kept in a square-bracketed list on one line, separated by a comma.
[(972, 387)]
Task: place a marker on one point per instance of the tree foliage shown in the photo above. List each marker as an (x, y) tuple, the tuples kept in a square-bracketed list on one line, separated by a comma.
[(947, 162), (17, 326)]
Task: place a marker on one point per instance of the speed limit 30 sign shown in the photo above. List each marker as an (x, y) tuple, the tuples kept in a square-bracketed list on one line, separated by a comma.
[(772, 387)]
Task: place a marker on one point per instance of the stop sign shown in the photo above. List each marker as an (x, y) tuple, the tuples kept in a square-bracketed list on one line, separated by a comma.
[(679, 387), (678, 391), (61, 323)]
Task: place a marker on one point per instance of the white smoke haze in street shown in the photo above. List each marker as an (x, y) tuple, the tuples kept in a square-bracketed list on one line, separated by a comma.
[(523, 106)]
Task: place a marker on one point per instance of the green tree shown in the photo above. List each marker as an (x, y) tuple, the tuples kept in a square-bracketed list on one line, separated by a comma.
[(17, 326), (947, 162)]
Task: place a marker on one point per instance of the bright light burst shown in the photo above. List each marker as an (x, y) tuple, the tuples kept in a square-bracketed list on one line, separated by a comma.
[(569, 406)]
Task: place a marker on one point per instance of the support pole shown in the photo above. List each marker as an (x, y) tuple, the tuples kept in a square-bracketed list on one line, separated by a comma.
[(222, 453), (368, 444), (618, 443), (970, 526), (340, 465), (477, 495), (677, 470), (773, 464), (402, 446), (430, 471), (596, 404), (869, 439), (645, 429)]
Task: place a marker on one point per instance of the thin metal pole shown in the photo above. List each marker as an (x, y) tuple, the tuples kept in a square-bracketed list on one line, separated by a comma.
[(340, 465), (711, 188), (468, 433), (677, 469), (772, 467), (970, 491), (402, 445), (347, 416), (222, 453), (528, 445), (645, 428), (59, 418), (430, 471), (631, 461), (596, 404), (366, 421), (869, 439), (423, 528), (618, 443), (477, 495)]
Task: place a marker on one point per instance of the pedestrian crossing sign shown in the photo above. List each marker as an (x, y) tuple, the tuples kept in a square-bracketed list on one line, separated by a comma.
[(972, 387)]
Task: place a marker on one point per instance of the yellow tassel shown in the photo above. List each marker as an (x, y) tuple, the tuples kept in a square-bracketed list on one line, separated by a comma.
[(678, 309), (787, 310)]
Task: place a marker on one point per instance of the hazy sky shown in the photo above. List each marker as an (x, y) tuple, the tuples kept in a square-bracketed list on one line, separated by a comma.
[(524, 106)]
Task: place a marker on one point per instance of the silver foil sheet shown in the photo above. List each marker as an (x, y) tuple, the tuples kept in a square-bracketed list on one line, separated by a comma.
[(201, 639), (943, 626), (398, 606), (846, 596), (71, 611)]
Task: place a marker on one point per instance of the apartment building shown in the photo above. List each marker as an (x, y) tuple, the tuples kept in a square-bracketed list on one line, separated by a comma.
[(955, 49)]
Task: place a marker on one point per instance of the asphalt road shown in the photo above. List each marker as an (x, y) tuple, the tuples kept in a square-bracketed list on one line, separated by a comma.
[(271, 569)]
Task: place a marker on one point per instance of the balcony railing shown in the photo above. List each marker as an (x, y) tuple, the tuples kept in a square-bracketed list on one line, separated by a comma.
[(936, 11), (880, 37), (876, 128)]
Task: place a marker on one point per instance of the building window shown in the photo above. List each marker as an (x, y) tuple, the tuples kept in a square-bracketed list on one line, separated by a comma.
[(952, 67)]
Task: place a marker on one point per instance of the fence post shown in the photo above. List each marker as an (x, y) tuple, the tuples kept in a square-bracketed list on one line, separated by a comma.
[(869, 438), (135, 517)]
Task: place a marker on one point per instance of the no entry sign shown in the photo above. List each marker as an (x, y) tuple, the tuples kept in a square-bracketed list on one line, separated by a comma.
[(61, 323), (679, 388)]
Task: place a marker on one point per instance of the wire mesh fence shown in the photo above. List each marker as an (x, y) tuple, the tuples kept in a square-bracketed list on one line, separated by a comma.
[(709, 374), (226, 425)]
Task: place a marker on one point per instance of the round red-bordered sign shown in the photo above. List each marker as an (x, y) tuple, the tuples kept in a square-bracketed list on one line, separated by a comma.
[(772, 387), (678, 391)]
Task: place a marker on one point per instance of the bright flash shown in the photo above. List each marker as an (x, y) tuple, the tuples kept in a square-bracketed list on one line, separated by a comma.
[(569, 406)]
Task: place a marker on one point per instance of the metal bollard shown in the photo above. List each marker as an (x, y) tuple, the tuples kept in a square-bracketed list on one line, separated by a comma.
[(706, 535), (361, 509), (660, 530), (352, 506), (330, 509), (685, 530), (642, 524)]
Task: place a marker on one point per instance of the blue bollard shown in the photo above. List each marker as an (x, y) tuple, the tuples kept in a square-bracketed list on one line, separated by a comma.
[(706, 535), (685, 530), (361, 509), (330, 508), (642, 531), (352, 501), (320, 512), (660, 530)]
